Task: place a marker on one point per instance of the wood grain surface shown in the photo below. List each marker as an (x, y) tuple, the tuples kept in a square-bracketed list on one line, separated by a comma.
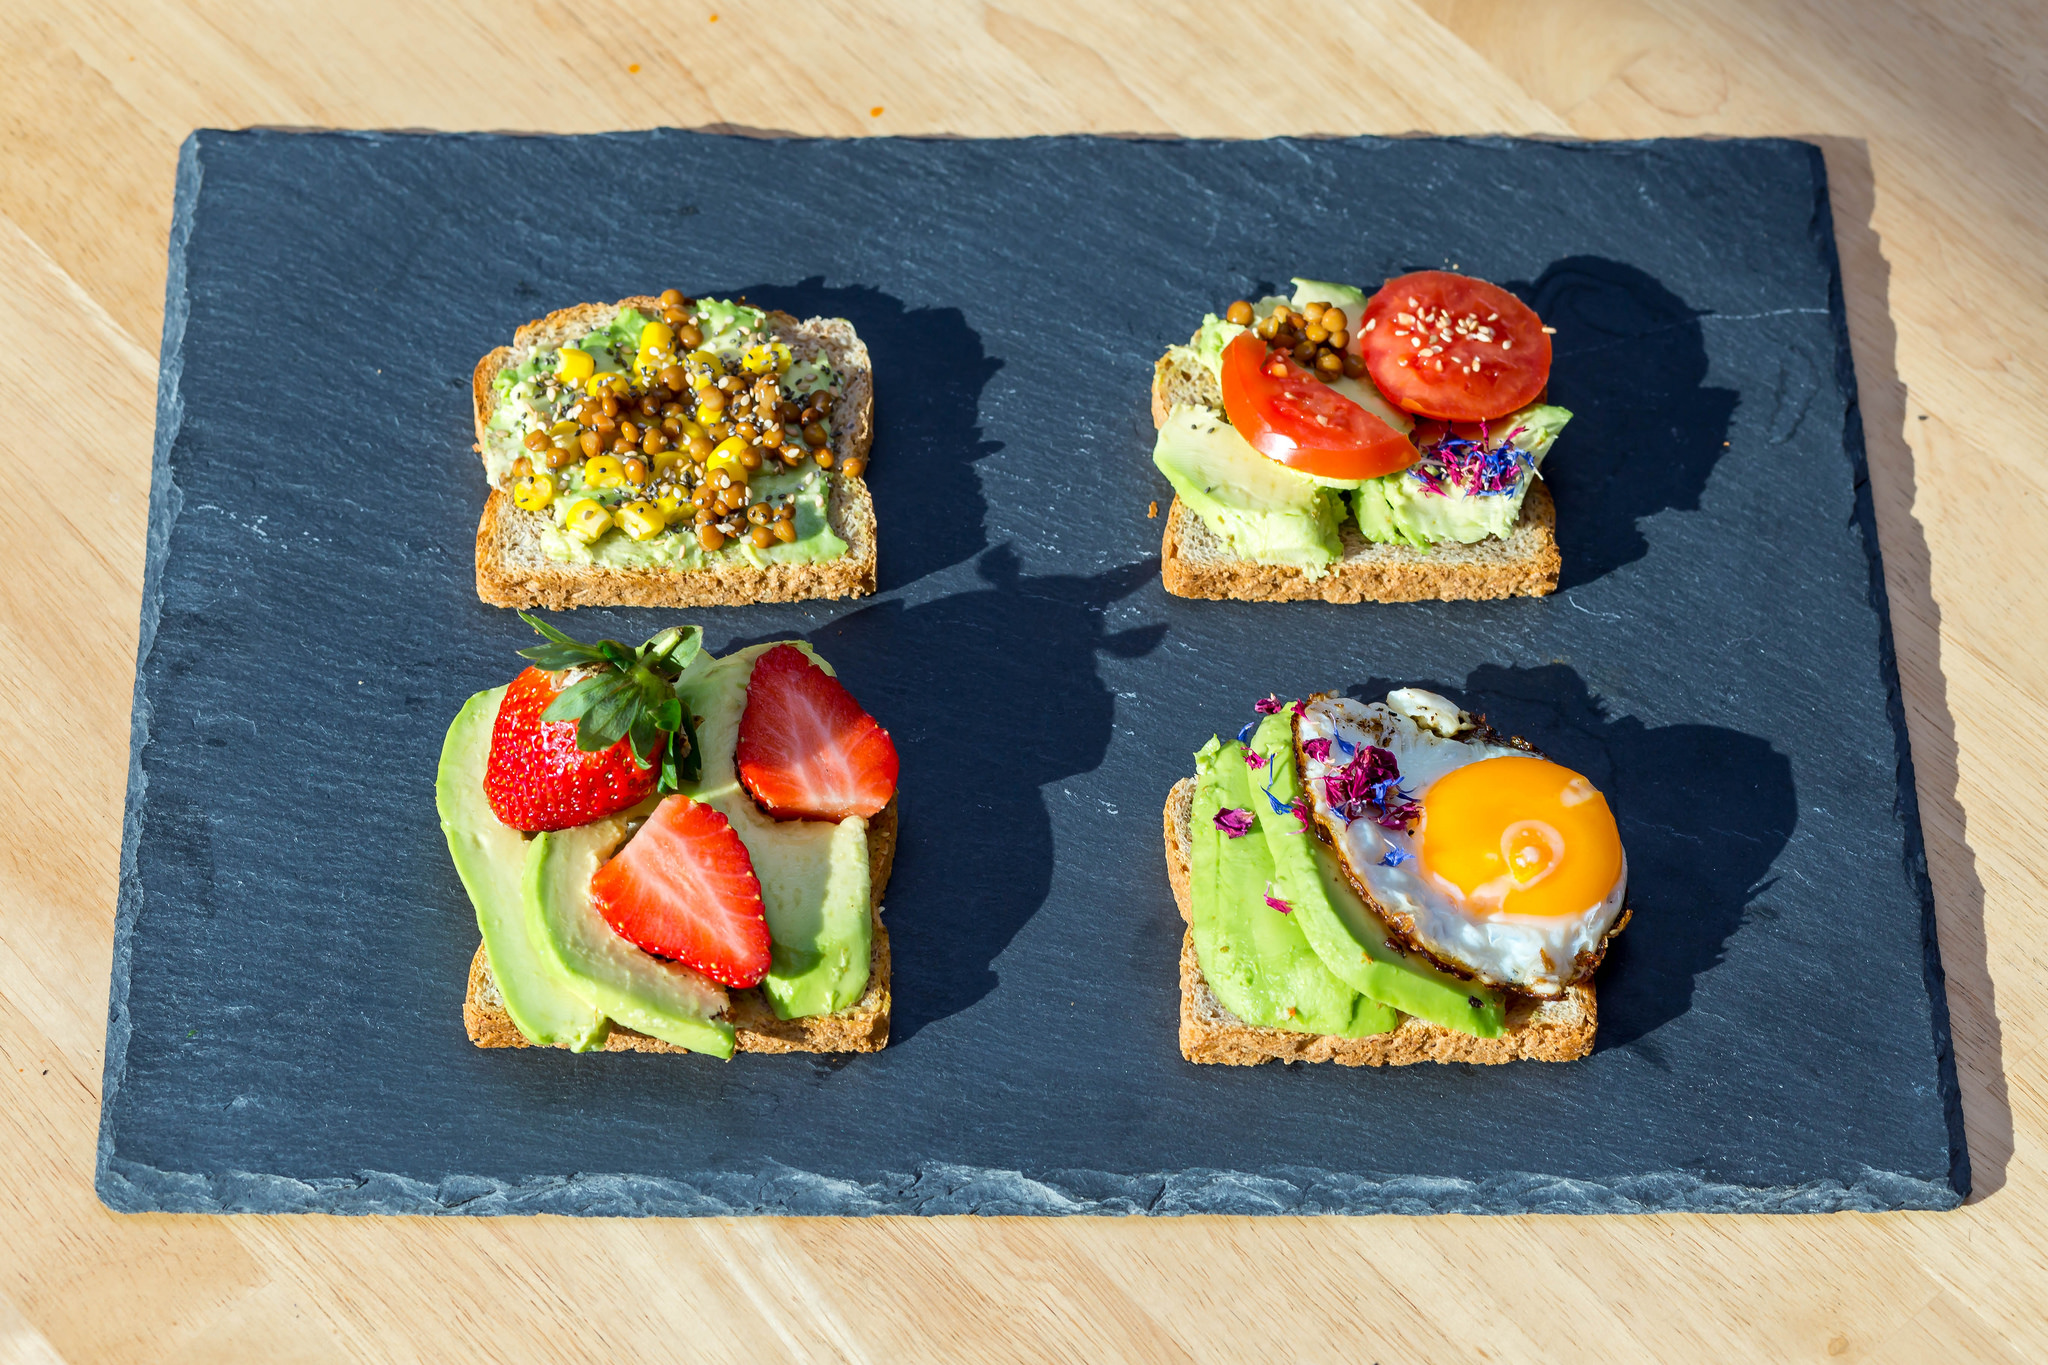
[(1932, 118)]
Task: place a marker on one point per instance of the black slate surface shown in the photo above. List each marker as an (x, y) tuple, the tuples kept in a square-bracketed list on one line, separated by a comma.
[(285, 1027)]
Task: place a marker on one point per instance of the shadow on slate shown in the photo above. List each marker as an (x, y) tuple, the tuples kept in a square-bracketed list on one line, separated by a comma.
[(929, 371), (974, 762), (1703, 812), (1629, 361)]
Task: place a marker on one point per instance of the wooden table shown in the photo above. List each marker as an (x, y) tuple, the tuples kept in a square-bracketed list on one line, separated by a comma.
[(1933, 124)]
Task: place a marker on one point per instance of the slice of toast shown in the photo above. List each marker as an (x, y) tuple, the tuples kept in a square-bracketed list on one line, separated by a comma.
[(1537, 1030), (861, 1027), (1196, 562), (513, 571)]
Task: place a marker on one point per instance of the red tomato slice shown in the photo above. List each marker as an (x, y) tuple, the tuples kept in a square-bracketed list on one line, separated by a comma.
[(1452, 347), (1291, 416)]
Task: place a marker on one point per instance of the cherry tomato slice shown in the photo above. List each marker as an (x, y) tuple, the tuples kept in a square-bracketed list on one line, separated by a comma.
[(1486, 351), (1291, 416)]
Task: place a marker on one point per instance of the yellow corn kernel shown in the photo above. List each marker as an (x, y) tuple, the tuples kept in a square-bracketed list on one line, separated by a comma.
[(533, 492), (565, 427), (667, 459), (675, 506), (596, 384), (703, 361), (758, 359), (642, 520), (575, 364), (784, 357), (690, 431), (586, 519), (657, 336), (725, 456), (604, 471)]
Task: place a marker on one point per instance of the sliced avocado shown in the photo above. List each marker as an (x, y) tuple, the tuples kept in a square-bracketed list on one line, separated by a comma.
[(634, 988), (1256, 958), (543, 1001), (814, 873), (1266, 511), (1345, 933), (1351, 300)]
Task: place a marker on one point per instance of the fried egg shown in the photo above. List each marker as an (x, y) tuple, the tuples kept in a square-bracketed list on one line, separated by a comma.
[(1495, 862)]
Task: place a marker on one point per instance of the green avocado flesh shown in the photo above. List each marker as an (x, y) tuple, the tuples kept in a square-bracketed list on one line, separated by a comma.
[(1264, 510), (521, 403), (1396, 508), (1256, 959), (544, 1002), (1348, 937), (814, 873), (663, 999)]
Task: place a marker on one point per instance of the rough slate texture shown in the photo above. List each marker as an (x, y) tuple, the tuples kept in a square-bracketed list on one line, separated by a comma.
[(286, 1031)]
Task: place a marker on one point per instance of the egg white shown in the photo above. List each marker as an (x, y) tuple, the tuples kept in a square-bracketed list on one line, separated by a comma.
[(1429, 737)]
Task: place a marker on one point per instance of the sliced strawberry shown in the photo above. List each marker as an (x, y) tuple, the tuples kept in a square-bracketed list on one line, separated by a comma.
[(684, 888), (806, 750), (536, 778)]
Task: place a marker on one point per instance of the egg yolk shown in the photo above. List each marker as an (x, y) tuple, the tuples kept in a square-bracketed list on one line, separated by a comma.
[(1520, 836)]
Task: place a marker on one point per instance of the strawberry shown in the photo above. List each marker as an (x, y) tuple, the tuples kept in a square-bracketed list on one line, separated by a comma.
[(806, 749), (589, 730), (684, 888)]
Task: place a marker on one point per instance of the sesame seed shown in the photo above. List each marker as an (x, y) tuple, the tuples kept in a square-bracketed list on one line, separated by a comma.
[(1506, 345), (1439, 364), (1550, 331), (1369, 323), (1491, 317), (1413, 304)]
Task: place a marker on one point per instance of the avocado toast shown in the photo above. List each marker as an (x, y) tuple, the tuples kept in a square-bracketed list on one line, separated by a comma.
[(675, 452), (1387, 884), (672, 852), (1321, 448)]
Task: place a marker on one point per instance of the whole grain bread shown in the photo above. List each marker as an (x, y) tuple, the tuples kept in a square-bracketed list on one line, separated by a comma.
[(1196, 562), (861, 1027), (1537, 1030), (513, 571)]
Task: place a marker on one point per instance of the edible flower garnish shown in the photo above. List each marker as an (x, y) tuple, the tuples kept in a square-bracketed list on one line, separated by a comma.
[(1268, 705), (1244, 736), (1368, 787), (1282, 906), (1347, 746), (1317, 749), (1466, 466), (1279, 807), (1254, 760), (1302, 813), (1235, 822), (1395, 857), (1300, 709)]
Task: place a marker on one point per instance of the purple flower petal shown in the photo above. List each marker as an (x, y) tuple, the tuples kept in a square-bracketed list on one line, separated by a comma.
[(1368, 787), (1268, 705), (1235, 822), (1300, 707), (1317, 749), (1282, 906), (1254, 760), (1302, 813)]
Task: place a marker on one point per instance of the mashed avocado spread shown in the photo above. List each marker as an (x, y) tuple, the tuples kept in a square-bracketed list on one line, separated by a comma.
[(679, 438), (1460, 490)]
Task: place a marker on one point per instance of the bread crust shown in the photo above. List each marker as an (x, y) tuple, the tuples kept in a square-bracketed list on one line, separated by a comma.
[(861, 1027), (1537, 1030), (1195, 562), (512, 571)]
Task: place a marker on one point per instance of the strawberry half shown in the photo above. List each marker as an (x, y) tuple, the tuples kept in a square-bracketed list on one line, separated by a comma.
[(684, 888), (568, 750), (806, 750), (536, 778)]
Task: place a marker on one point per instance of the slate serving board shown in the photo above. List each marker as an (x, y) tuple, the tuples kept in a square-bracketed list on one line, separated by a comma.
[(289, 961)]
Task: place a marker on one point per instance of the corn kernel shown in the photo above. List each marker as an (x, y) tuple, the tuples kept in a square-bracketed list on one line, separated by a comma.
[(597, 384), (726, 459), (758, 360), (784, 357), (675, 506), (575, 364), (533, 492), (657, 336), (604, 471), (587, 519), (642, 520), (667, 459), (567, 427)]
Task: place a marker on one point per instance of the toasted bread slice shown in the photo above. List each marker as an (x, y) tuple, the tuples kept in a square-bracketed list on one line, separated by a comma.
[(1537, 1030), (513, 571), (861, 1027), (1195, 562)]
